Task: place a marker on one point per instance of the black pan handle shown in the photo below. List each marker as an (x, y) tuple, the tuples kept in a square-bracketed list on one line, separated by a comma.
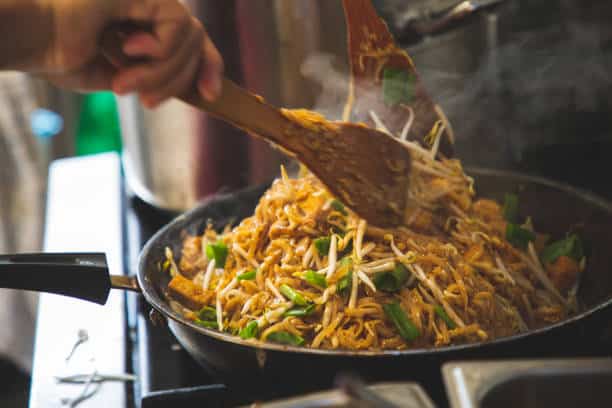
[(79, 275)]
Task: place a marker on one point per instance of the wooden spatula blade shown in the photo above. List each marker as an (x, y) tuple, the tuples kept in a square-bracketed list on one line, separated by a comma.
[(366, 169), (372, 51)]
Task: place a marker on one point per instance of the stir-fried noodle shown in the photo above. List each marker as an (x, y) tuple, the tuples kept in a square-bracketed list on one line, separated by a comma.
[(304, 270)]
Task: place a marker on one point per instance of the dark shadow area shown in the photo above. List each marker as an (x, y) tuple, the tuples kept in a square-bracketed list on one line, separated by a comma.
[(545, 390), (14, 386)]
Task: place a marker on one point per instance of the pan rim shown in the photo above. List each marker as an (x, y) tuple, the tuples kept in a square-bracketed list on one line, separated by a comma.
[(152, 297)]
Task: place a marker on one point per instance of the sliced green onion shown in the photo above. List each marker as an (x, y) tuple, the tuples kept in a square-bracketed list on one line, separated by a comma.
[(519, 237), (322, 245), (301, 311), (286, 338), (346, 262), (407, 330), (293, 296), (444, 316), (218, 252), (571, 247), (249, 331), (338, 206), (315, 279), (345, 282), (398, 86), (250, 275), (207, 313), (511, 208), (209, 324), (391, 281)]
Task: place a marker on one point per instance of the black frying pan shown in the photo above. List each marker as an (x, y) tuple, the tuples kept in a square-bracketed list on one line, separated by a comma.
[(263, 367)]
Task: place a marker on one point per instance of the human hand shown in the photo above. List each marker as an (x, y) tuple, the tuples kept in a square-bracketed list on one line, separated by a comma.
[(172, 57)]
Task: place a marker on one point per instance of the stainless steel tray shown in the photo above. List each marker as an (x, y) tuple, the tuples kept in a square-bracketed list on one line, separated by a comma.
[(402, 395), (529, 383)]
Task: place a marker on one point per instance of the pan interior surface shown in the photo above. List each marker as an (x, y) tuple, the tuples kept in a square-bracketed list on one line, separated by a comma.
[(554, 208)]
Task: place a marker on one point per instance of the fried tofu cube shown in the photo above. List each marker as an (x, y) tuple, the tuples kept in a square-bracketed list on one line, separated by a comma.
[(192, 260), (187, 293)]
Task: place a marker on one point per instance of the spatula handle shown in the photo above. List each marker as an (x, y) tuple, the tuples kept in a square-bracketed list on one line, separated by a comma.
[(83, 276), (235, 104)]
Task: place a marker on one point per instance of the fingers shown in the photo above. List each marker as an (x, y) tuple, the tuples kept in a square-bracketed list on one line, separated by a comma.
[(178, 55), (141, 45), (160, 79), (211, 71), (176, 85)]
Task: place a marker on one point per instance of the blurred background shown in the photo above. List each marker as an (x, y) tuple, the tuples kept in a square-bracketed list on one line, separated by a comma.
[(525, 84)]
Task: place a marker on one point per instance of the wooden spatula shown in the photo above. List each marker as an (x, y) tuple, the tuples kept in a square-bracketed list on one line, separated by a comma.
[(366, 169), (385, 81)]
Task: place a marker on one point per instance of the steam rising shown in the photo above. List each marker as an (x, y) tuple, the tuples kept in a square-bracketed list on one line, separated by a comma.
[(548, 84), (324, 69)]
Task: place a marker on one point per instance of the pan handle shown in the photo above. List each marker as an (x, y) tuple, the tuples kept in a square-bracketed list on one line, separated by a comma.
[(79, 275)]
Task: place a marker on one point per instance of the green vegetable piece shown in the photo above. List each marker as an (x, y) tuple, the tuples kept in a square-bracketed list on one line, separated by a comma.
[(571, 246), (407, 330), (250, 275), (519, 237), (218, 252), (315, 279), (345, 282), (398, 86), (391, 281), (338, 206), (511, 208), (301, 311), (208, 313), (286, 338), (322, 245), (293, 296), (346, 262), (439, 310), (249, 331), (207, 324)]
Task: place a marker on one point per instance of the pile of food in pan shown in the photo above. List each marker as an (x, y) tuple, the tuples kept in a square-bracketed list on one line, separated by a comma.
[(304, 270)]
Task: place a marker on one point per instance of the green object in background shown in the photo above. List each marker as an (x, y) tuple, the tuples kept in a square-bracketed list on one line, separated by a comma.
[(98, 129)]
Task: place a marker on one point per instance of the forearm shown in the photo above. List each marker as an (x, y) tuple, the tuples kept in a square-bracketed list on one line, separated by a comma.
[(26, 32)]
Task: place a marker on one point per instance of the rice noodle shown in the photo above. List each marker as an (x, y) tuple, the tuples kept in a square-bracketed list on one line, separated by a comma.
[(331, 262), (379, 125), (364, 278), (274, 290), (406, 129), (454, 249), (361, 228), (209, 271)]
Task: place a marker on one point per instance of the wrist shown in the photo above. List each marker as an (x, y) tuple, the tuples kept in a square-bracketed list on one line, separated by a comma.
[(26, 34)]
